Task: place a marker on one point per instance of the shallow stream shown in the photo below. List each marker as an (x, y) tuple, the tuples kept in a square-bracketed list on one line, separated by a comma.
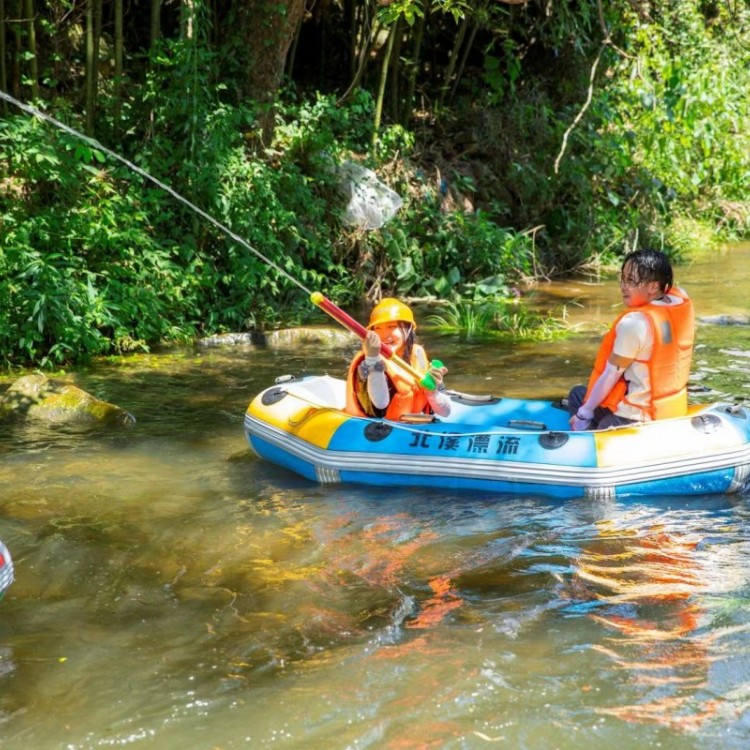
[(175, 592)]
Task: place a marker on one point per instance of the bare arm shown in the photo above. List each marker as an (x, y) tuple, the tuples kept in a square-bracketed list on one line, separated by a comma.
[(602, 388), (437, 399)]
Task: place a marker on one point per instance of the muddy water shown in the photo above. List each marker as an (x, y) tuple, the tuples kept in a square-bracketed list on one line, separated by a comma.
[(173, 591)]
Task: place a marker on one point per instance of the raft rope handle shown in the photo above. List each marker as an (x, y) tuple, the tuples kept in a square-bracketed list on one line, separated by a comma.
[(406, 428)]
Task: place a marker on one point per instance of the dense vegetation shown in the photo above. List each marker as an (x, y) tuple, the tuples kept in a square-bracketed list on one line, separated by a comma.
[(526, 140)]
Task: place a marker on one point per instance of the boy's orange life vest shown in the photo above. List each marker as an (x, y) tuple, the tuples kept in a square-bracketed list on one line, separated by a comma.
[(673, 331), (408, 397)]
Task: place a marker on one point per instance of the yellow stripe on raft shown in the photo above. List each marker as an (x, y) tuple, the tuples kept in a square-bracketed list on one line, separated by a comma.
[(310, 423), (663, 439)]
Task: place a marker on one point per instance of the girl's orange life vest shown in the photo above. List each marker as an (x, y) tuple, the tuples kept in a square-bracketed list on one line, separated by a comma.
[(673, 331), (407, 396)]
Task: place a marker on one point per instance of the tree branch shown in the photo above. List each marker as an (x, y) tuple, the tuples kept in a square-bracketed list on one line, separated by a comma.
[(583, 108)]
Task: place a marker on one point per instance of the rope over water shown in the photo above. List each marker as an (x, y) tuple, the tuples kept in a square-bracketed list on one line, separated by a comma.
[(95, 144)]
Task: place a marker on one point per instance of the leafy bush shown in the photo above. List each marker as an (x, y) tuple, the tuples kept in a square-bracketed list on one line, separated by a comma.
[(664, 145), (504, 318), (95, 260), (82, 273)]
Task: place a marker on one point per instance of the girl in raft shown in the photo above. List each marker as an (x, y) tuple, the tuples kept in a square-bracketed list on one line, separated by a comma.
[(379, 387)]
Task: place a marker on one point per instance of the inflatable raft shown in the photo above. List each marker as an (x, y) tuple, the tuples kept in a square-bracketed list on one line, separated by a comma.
[(503, 445), (6, 569)]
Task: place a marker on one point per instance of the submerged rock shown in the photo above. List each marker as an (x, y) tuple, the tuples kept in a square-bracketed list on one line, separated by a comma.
[(231, 339), (36, 397), (310, 335), (285, 337)]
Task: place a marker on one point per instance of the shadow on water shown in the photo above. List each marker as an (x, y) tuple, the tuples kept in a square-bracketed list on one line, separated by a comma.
[(175, 591)]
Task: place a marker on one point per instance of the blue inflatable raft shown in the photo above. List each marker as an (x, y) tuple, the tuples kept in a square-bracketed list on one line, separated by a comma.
[(6, 569), (503, 445)]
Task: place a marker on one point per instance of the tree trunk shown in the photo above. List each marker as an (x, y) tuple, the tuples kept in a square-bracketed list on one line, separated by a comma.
[(383, 80), (395, 74), (90, 67), (33, 62), (464, 58), (93, 36), (413, 71), (98, 12), (155, 27), (368, 40), (18, 49), (118, 60), (267, 27), (293, 49), (189, 36), (3, 70), (350, 13), (187, 20), (453, 58)]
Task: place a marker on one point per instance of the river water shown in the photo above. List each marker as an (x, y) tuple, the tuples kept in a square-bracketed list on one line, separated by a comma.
[(173, 591)]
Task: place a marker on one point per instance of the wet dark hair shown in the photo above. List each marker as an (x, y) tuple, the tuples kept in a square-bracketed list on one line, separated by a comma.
[(410, 339), (649, 265)]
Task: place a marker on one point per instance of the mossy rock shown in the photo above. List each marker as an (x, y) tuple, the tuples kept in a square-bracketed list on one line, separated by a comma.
[(232, 339), (36, 397), (286, 337), (324, 336)]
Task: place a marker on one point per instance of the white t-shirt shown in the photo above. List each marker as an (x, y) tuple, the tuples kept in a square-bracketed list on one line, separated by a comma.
[(634, 340)]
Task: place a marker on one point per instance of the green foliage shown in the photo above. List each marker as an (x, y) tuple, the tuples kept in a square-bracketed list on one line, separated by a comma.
[(430, 251), (410, 10), (81, 273), (664, 140), (660, 141), (542, 169), (393, 142), (94, 261), (682, 97)]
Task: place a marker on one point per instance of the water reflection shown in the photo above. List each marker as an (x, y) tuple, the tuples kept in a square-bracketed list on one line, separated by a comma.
[(658, 589), (648, 582)]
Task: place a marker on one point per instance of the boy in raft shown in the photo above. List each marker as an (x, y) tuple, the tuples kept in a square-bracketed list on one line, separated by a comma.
[(378, 387), (642, 368)]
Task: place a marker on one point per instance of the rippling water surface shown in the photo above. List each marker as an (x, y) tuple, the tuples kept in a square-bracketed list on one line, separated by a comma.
[(174, 591)]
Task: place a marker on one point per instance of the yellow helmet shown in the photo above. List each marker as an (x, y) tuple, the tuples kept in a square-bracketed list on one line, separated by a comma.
[(388, 310)]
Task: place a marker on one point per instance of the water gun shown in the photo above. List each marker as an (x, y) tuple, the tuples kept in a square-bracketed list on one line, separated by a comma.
[(424, 379)]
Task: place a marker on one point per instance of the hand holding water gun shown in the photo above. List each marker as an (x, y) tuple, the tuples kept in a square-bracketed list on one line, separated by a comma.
[(383, 312)]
